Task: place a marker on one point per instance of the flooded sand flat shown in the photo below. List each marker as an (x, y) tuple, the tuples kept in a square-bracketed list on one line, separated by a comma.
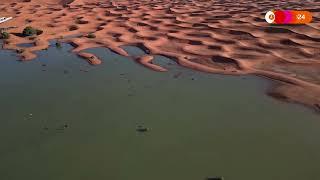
[(64, 119)]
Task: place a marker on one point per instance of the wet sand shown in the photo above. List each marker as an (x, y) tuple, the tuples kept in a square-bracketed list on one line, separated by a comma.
[(210, 36)]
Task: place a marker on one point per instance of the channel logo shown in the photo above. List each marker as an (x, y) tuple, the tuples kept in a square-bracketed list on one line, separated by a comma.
[(288, 17)]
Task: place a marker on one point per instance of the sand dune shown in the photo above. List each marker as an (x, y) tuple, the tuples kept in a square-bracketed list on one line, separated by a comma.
[(55, 2), (227, 37)]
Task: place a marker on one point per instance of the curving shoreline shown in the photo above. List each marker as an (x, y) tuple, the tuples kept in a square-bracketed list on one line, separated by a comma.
[(210, 36)]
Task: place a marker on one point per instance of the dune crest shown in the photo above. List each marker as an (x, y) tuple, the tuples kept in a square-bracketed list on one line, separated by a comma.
[(212, 36)]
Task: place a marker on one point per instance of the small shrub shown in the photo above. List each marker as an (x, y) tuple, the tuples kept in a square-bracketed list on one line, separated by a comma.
[(79, 21), (73, 27), (30, 31), (4, 35), (51, 25), (100, 28), (28, 20), (39, 31), (91, 35), (19, 51)]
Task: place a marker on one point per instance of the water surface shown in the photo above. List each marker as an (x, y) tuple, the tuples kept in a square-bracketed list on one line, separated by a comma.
[(201, 124)]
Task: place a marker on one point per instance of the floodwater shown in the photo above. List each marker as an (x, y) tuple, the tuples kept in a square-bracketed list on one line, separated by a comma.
[(62, 119)]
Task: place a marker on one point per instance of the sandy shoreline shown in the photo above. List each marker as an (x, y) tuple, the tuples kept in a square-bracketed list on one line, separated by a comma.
[(225, 38)]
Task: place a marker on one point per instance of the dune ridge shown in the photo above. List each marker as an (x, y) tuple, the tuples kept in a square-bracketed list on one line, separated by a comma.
[(225, 37)]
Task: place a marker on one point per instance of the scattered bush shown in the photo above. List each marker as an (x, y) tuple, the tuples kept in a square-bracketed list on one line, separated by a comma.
[(39, 31), (73, 27), (30, 31), (4, 35), (80, 21), (19, 51), (91, 35), (32, 38), (51, 25), (100, 28), (28, 20), (58, 44)]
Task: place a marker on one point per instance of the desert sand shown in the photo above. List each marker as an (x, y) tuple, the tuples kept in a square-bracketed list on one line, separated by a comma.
[(225, 37)]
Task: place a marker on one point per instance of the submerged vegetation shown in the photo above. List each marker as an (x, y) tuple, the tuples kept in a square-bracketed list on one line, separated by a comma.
[(58, 44)]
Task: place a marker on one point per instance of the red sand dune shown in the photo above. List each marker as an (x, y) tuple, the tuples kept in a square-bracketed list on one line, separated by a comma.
[(227, 37)]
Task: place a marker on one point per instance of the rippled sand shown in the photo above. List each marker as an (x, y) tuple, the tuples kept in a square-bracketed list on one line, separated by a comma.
[(227, 37)]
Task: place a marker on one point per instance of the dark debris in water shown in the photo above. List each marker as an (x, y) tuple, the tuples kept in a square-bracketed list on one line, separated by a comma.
[(84, 70), (177, 75), (29, 116), (215, 178), (62, 127), (147, 86), (59, 129), (142, 129)]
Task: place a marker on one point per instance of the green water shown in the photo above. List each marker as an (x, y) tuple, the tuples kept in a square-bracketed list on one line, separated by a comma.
[(201, 124)]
